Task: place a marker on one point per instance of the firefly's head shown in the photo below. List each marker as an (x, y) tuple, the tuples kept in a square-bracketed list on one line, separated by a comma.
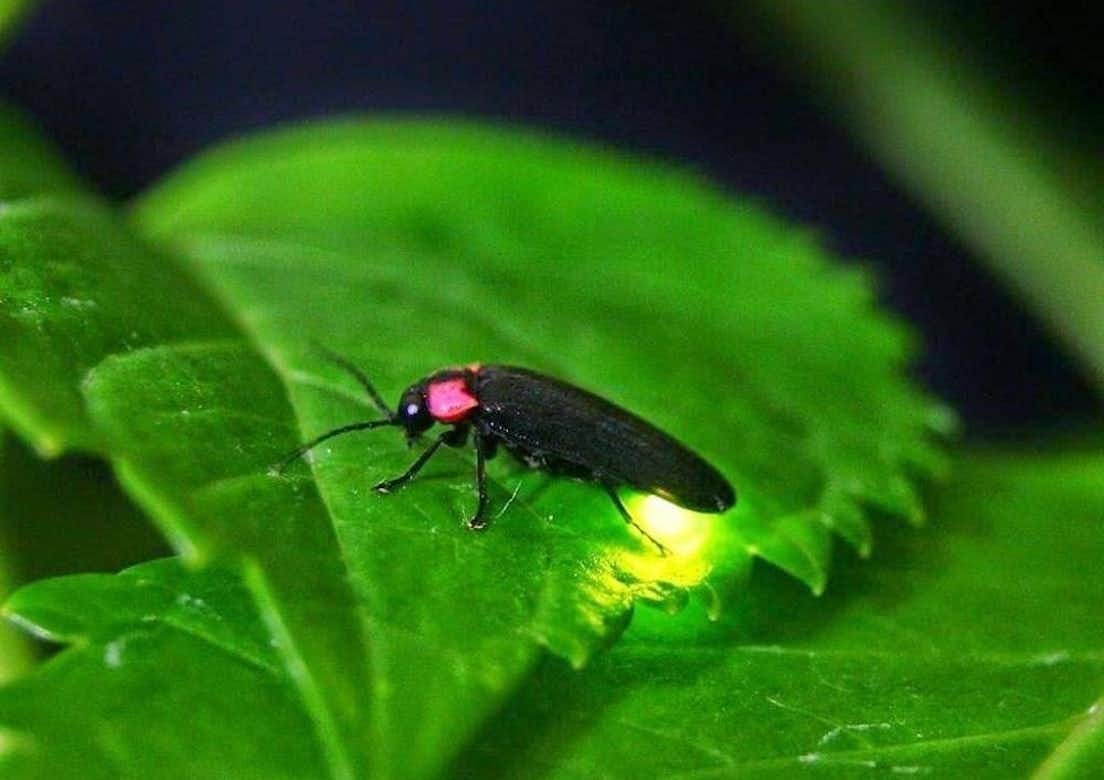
[(413, 413)]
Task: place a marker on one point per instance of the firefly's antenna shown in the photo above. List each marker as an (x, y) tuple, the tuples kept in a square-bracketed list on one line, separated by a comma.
[(310, 445), (365, 382)]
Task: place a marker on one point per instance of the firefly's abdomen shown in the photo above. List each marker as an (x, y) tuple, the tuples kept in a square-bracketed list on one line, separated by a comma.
[(535, 413)]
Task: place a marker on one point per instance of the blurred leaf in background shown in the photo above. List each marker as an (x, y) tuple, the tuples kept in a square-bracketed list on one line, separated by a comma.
[(15, 652), (11, 12), (68, 515), (61, 517), (1027, 204)]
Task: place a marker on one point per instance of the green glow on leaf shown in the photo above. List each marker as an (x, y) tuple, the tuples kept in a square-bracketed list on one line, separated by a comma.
[(688, 537), (682, 531)]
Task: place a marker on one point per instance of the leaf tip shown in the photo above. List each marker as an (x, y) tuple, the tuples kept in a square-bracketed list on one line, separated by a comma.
[(34, 628), (942, 420), (48, 446)]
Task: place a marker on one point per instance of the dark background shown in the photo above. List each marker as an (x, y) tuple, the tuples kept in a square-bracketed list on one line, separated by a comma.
[(130, 89)]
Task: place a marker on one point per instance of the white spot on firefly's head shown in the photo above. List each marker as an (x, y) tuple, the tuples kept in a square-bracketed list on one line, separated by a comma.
[(412, 409)]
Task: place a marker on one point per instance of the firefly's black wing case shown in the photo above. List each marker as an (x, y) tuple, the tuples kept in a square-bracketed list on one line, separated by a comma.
[(549, 418)]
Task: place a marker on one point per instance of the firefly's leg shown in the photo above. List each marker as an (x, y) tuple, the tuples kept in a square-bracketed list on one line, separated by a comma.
[(479, 520), (457, 436), (612, 491), (390, 484)]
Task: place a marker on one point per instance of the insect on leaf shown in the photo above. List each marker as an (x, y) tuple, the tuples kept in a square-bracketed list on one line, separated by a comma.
[(408, 246)]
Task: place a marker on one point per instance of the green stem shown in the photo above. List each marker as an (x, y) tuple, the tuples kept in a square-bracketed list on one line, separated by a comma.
[(955, 142)]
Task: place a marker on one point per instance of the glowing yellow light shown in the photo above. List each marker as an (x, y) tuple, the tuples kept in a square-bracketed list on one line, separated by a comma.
[(684, 533), (680, 530)]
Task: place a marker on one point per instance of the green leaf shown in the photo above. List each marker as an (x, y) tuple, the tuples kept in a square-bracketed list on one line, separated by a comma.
[(410, 244), (67, 516), (15, 650), (56, 518), (29, 166), (76, 286), (15, 654), (946, 657), (407, 246), (976, 650), (170, 674)]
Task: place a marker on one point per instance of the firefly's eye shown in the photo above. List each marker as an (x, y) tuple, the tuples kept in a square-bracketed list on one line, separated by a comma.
[(413, 413)]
